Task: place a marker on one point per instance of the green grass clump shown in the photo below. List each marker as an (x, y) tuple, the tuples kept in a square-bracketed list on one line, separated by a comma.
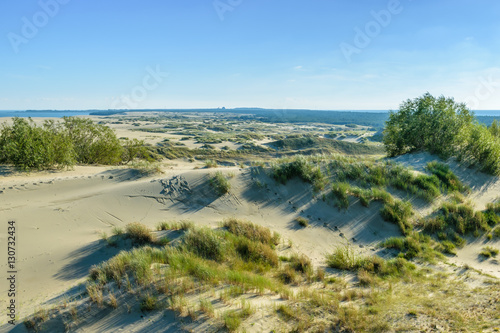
[(489, 252), (206, 243), (448, 247), (345, 258), (446, 176), (302, 221), (251, 231), (220, 183), (340, 191), (139, 233), (181, 225), (398, 212), (149, 303), (415, 245), (210, 164), (301, 167), (256, 252), (301, 264), (463, 218)]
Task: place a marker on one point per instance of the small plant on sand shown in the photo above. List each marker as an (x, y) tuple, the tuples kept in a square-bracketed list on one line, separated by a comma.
[(220, 183), (210, 164), (398, 212), (489, 252), (112, 301), (302, 221), (117, 231), (139, 233), (207, 308), (206, 243), (340, 192), (149, 303), (251, 231)]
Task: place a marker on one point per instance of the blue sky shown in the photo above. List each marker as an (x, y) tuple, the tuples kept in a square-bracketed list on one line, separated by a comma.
[(317, 54)]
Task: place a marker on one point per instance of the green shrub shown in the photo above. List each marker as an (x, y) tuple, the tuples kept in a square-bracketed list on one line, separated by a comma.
[(28, 146), (93, 143), (444, 127), (427, 123)]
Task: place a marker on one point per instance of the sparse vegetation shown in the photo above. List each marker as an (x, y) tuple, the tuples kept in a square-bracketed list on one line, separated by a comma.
[(220, 183), (302, 221), (489, 251)]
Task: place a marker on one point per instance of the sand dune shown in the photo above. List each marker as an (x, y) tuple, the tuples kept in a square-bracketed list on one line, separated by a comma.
[(60, 217)]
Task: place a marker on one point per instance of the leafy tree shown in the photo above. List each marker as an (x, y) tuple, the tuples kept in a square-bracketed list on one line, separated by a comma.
[(93, 143), (495, 128), (134, 149), (438, 125), (31, 147), (443, 127)]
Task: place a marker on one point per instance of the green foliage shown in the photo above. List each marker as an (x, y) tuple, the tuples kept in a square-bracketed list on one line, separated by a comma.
[(345, 258), (489, 251), (93, 143), (28, 146), (62, 144), (412, 246), (133, 149), (463, 218), (482, 148), (443, 127), (256, 252), (427, 123), (299, 167), (446, 176), (340, 192), (398, 212)]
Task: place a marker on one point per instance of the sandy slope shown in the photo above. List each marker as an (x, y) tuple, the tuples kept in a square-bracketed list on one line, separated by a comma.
[(60, 216), (59, 219)]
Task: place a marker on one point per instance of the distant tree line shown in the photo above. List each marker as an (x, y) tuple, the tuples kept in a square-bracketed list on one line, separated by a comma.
[(59, 144), (443, 127)]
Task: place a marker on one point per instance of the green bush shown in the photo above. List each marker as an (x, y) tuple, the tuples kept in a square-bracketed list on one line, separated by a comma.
[(61, 144), (29, 146), (93, 143), (437, 125), (444, 127)]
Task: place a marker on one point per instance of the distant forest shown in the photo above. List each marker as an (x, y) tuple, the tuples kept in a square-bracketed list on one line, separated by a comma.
[(375, 119)]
